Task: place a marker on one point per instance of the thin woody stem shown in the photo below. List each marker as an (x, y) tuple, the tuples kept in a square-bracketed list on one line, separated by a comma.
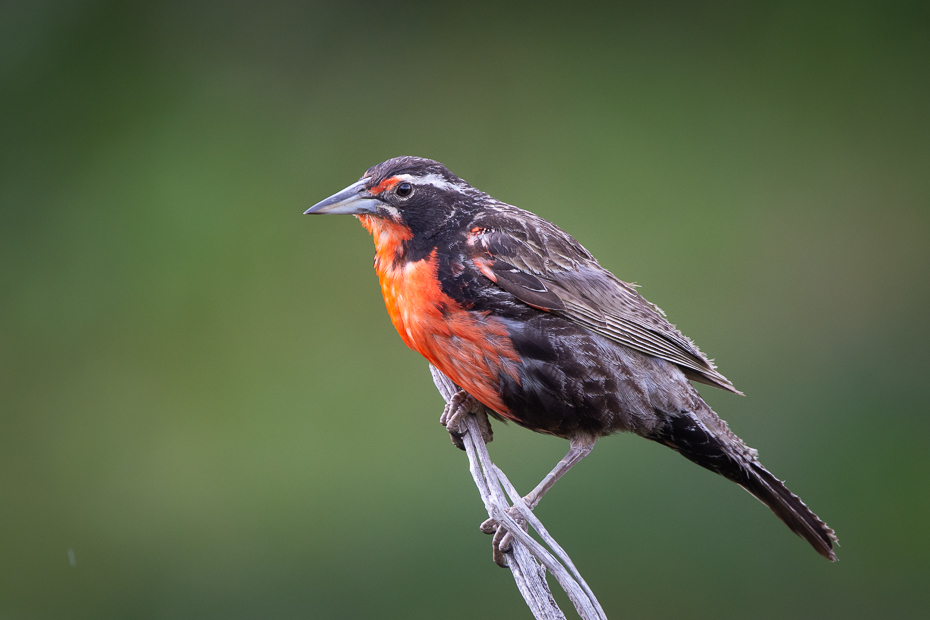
[(527, 559)]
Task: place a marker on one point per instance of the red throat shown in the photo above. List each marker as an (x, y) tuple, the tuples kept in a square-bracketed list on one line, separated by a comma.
[(471, 348)]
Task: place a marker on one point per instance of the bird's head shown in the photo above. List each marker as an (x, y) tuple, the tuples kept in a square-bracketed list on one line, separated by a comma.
[(419, 193)]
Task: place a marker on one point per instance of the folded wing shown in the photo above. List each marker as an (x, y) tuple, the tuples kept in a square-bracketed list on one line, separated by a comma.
[(547, 269)]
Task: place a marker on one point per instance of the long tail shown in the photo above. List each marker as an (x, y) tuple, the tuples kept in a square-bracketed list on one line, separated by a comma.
[(724, 453)]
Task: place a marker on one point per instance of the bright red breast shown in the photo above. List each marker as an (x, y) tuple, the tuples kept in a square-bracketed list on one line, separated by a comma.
[(471, 348)]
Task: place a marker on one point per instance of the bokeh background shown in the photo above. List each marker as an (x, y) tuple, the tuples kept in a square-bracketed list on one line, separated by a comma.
[(204, 409)]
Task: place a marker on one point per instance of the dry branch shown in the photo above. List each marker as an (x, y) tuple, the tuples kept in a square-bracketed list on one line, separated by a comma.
[(528, 559)]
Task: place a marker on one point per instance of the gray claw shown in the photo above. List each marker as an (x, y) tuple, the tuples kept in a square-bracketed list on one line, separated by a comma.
[(497, 553), (503, 539), (457, 408)]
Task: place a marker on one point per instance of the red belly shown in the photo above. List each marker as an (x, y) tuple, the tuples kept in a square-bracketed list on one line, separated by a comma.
[(471, 348)]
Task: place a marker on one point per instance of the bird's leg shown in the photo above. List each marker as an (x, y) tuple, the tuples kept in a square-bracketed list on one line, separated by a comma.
[(580, 446), (484, 424)]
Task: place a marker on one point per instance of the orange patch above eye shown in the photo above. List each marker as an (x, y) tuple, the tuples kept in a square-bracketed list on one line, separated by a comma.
[(384, 185)]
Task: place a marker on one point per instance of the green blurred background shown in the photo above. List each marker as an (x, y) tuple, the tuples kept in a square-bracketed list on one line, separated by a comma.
[(202, 397)]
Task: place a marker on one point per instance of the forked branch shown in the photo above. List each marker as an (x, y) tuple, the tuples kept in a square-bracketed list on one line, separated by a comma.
[(527, 559)]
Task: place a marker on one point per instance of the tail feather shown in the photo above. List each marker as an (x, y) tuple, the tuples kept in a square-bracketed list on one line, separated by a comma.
[(791, 510), (724, 453)]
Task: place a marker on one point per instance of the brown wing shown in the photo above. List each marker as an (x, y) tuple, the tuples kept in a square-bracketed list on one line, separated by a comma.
[(544, 267)]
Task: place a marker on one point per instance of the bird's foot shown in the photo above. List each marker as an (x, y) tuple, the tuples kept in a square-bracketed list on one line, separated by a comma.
[(456, 409), (459, 406), (503, 539)]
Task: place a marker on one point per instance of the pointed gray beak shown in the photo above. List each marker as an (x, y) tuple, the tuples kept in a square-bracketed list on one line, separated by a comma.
[(353, 200)]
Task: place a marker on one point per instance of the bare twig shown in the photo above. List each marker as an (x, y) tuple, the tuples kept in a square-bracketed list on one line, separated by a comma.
[(527, 559)]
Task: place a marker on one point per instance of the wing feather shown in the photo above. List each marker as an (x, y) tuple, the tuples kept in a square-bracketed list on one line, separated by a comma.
[(544, 267)]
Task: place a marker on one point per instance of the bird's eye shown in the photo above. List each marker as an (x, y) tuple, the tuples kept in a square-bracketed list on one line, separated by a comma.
[(404, 189)]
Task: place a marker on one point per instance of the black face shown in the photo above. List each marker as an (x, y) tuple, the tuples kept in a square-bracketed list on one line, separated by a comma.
[(419, 193), (422, 193)]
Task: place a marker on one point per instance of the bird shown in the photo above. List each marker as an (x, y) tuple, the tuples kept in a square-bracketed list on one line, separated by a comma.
[(521, 317)]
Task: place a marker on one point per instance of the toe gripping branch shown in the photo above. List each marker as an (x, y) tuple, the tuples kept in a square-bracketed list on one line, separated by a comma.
[(528, 559)]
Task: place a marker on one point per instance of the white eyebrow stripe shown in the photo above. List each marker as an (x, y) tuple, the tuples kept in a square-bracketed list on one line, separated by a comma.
[(430, 179)]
